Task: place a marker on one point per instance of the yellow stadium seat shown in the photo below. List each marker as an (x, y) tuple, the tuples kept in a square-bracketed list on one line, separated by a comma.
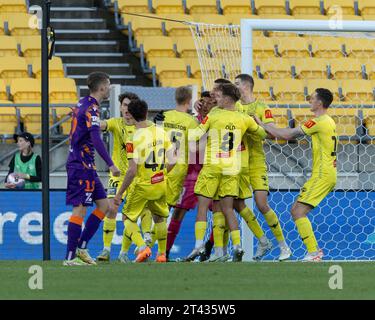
[(304, 7), (311, 17), (349, 17), (358, 91), (8, 46), (231, 47), (370, 68), (1, 25), (366, 7), (289, 90), (186, 47), (311, 68), (13, 6), (56, 68), (346, 68), (327, 47), (369, 120), (169, 68), (236, 7), (274, 68), (3, 92), (195, 69), (26, 90), (333, 7), (62, 90), (235, 18), (19, 24), (360, 48), (346, 120), (131, 6), (168, 6), (178, 29), (262, 90), (332, 85), (270, 6), (174, 83), (293, 47), (8, 120), (158, 46), (280, 115), (211, 18), (276, 16), (369, 17), (201, 6), (13, 67), (31, 46), (146, 27), (263, 47)]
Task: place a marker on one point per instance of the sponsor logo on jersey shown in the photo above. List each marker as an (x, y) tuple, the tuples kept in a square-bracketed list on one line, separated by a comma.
[(268, 114), (309, 124), (129, 148), (205, 120), (159, 177)]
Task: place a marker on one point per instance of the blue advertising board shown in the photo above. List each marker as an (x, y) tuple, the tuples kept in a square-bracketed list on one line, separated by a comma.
[(344, 224)]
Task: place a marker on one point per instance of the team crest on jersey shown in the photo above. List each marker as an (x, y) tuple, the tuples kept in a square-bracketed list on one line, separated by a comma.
[(205, 120), (268, 114), (309, 124), (129, 148)]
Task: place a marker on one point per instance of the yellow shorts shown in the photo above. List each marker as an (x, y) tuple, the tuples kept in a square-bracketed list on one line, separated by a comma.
[(175, 183), (245, 191), (114, 184), (140, 197), (259, 179), (315, 190), (214, 185)]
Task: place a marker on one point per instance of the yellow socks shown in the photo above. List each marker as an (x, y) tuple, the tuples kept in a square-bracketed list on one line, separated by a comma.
[(307, 234), (109, 227), (218, 228), (126, 243), (274, 224), (146, 221), (133, 232), (252, 222), (161, 236), (236, 238), (200, 231)]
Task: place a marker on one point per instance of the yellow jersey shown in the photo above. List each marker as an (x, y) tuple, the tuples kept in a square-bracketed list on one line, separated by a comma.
[(322, 130), (121, 133), (257, 157), (177, 125), (148, 147), (225, 131)]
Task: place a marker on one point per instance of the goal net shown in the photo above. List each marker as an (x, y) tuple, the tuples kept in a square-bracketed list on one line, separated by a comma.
[(287, 68)]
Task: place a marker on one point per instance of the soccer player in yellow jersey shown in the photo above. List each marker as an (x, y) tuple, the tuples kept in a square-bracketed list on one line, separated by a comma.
[(177, 124), (322, 130), (146, 152), (218, 178), (257, 174), (121, 129)]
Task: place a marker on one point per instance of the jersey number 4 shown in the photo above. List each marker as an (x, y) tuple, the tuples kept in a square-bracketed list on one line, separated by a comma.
[(151, 160)]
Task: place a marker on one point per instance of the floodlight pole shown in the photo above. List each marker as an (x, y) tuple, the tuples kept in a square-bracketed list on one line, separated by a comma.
[(46, 5)]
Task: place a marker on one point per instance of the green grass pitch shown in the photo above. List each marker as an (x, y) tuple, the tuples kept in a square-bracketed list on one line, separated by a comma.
[(287, 280)]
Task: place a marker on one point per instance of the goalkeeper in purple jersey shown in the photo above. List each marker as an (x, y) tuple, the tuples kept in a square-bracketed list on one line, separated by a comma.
[(84, 186)]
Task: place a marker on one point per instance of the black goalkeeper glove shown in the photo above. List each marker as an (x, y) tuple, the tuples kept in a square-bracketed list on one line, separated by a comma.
[(159, 117)]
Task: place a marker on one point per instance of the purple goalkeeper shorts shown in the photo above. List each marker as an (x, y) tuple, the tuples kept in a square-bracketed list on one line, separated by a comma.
[(83, 188)]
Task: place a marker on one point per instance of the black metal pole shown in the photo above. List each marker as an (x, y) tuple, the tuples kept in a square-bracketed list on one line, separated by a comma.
[(45, 133)]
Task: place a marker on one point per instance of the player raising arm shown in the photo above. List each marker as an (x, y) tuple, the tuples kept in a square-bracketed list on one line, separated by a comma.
[(84, 186), (146, 152), (322, 130)]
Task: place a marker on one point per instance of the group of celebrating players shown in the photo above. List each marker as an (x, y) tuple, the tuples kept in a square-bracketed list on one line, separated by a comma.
[(214, 160)]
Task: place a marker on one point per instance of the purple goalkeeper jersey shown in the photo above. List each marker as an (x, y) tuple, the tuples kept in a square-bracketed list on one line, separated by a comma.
[(85, 136)]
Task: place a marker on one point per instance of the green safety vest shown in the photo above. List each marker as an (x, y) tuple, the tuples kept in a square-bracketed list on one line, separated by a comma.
[(27, 168)]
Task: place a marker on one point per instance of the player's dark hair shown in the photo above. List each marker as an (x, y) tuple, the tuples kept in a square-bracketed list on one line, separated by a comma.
[(205, 94), (325, 96), (221, 80), (183, 95), (127, 95), (95, 79), (230, 90), (246, 78), (138, 109)]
